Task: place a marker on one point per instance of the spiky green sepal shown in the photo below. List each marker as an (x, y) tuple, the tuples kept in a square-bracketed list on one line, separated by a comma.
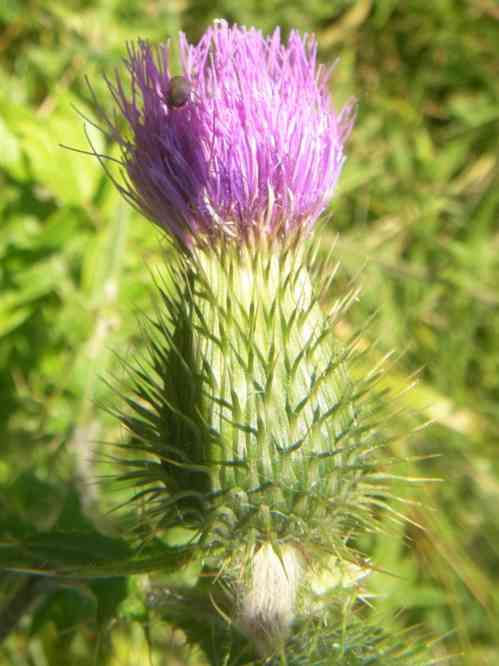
[(257, 438), (341, 635)]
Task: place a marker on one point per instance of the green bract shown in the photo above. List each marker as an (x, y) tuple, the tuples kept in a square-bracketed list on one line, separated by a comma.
[(257, 436)]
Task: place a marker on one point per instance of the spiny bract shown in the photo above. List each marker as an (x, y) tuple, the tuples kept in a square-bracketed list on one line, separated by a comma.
[(257, 436)]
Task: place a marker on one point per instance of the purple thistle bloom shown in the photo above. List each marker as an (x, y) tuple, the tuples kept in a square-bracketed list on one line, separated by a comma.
[(249, 144)]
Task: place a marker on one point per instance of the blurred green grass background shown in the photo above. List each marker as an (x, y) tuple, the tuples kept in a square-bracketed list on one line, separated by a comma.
[(418, 207)]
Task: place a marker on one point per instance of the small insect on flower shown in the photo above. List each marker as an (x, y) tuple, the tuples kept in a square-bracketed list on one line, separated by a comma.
[(178, 92)]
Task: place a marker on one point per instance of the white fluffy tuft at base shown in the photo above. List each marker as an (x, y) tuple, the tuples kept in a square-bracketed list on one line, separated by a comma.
[(268, 603)]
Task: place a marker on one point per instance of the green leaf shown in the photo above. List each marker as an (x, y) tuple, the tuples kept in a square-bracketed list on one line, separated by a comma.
[(66, 608), (69, 177), (110, 593), (87, 555), (10, 154)]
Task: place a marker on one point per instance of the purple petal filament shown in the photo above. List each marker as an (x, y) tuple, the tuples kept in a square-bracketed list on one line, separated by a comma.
[(257, 148)]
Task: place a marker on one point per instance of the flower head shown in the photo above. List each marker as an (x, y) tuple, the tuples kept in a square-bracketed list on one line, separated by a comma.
[(247, 141)]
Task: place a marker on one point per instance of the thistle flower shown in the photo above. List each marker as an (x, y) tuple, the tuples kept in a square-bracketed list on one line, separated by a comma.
[(262, 443), (245, 142)]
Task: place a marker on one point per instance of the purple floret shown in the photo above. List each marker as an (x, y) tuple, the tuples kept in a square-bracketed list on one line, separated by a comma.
[(254, 148)]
